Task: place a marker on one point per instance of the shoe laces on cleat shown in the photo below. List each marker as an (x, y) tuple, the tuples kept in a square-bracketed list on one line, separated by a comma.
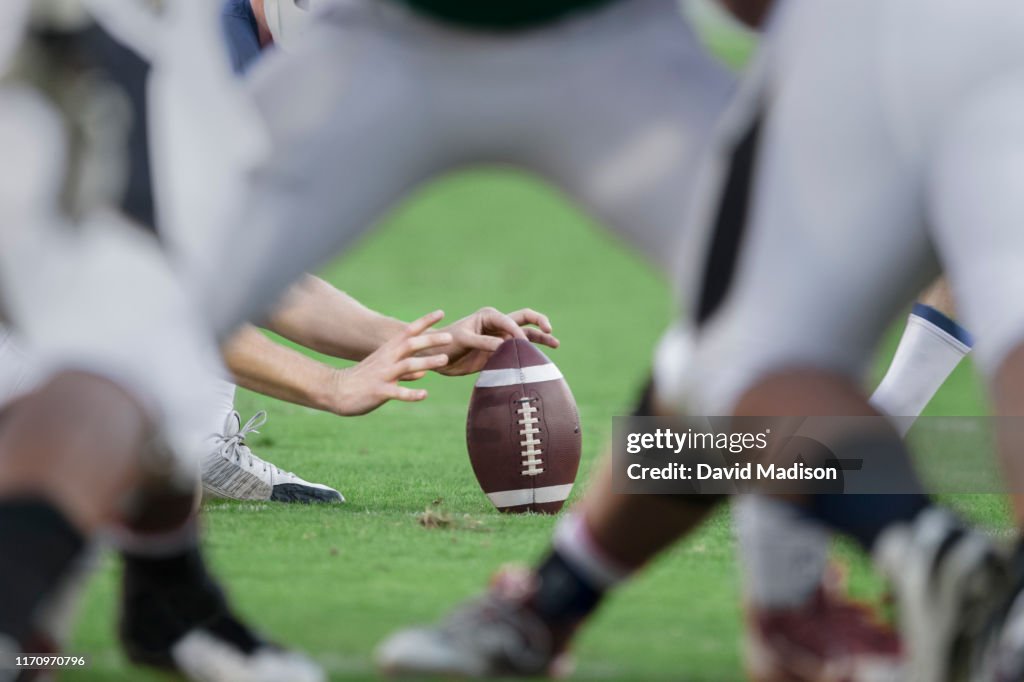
[(231, 444)]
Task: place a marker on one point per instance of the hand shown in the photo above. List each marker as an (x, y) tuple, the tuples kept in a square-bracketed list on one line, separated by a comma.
[(475, 337), (366, 386)]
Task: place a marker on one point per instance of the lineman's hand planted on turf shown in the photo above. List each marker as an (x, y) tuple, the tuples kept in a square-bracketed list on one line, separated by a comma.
[(475, 337), (366, 386)]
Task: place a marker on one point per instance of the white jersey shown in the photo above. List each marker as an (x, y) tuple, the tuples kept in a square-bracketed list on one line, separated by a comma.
[(889, 146)]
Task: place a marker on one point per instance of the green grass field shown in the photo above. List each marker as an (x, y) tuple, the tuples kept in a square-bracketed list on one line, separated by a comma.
[(335, 580)]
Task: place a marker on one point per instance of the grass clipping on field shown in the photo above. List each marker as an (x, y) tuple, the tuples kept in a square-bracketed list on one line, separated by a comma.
[(435, 517)]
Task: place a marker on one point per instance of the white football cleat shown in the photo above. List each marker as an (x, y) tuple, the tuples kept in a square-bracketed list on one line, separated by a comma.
[(232, 471), (945, 578)]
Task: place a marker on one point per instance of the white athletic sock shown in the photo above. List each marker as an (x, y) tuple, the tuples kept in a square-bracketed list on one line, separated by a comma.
[(931, 348), (221, 393), (783, 555), (576, 545)]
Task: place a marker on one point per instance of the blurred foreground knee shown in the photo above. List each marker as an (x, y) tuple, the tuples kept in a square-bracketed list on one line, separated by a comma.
[(77, 442)]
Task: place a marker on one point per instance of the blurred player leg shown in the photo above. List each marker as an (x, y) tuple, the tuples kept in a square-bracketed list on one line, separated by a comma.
[(825, 215), (974, 197), (627, 146), (77, 425), (175, 616), (76, 445), (785, 556), (65, 290), (77, 442)]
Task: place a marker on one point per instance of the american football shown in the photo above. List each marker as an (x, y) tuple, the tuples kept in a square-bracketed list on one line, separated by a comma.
[(523, 431)]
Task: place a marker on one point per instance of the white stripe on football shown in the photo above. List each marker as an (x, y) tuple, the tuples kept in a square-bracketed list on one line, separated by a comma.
[(490, 378)]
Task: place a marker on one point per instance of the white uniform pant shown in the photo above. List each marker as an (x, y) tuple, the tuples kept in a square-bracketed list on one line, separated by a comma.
[(615, 107), (891, 146)]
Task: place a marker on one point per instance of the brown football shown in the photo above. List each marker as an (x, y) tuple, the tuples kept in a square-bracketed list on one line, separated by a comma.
[(523, 431)]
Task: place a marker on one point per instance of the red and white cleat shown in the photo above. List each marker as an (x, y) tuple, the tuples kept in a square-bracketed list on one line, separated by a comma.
[(829, 639)]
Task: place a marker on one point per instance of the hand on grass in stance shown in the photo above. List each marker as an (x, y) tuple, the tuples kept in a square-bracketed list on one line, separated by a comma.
[(476, 336), (409, 355)]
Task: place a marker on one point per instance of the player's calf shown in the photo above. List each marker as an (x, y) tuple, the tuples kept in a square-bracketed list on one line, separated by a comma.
[(174, 614), (175, 617), (68, 457), (76, 442)]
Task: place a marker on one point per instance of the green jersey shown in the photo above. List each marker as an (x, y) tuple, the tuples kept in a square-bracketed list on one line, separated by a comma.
[(501, 15)]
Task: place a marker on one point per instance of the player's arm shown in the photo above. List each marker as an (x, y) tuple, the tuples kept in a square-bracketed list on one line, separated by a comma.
[(476, 336), (318, 316), (261, 365)]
